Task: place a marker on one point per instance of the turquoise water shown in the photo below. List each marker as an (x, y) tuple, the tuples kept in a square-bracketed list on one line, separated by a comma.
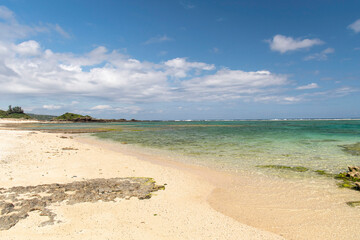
[(315, 144)]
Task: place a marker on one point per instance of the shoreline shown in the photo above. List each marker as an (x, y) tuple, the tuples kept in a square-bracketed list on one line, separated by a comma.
[(292, 208), (180, 211)]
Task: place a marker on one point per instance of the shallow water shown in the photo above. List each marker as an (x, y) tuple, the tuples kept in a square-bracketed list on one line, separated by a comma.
[(239, 145)]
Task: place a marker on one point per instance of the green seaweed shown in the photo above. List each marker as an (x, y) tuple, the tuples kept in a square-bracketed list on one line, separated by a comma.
[(283, 167), (347, 181), (353, 203), (344, 176), (324, 173), (346, 184), (353, 149)]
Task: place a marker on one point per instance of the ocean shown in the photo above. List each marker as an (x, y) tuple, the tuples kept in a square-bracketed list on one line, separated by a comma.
[(243, 145)]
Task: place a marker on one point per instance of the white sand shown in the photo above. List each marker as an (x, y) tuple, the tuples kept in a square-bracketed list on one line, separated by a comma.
[(181, 211)]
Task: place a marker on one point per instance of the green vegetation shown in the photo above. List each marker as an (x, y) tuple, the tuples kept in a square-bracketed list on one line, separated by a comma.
[(73, 117), (14, 112), (353, 203), (282, 167), (41, 117), (347, 181), (324, 173)]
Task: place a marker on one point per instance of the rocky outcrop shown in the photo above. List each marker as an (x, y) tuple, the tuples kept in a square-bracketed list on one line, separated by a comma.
[(17, 202), (350, 178)]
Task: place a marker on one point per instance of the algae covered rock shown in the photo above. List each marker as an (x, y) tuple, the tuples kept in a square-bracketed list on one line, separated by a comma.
[(350, 179)]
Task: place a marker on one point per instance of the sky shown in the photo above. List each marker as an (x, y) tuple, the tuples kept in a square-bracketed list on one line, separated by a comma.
[(181, 59)]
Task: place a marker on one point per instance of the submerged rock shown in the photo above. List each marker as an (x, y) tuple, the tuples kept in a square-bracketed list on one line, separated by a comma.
[(17, 202), (353, 149)]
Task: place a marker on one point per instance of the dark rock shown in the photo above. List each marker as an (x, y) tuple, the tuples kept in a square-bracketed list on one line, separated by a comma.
[(350, 179)]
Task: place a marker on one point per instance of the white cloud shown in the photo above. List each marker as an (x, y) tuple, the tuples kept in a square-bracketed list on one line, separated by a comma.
[(180, 67), (30, 48), (11, 29), (52, 107), (126, 109), (117, 77), (322, 56), (284, 44), (308, 86), (61, 31), (6, 13), (29, 70), (233, 84), (355, 26), (158, 39), (101, 107)]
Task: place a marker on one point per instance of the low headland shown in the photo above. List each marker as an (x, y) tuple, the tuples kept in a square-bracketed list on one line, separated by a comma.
[(18, 113)]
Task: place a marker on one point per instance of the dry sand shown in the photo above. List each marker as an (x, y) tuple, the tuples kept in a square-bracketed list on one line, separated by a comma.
[(181, 211)]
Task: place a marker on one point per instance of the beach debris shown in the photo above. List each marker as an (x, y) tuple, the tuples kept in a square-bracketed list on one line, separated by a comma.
[(69, 148), (353, 149), (283, 167), (17, 202)]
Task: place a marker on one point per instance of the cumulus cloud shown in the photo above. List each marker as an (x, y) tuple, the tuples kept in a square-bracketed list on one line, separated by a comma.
[(322, 56), (28, 69), (308, 86), (52, 107), (30, 48), (234, 84), (180, 67), (355, 26), (101, 107), (284, 44)]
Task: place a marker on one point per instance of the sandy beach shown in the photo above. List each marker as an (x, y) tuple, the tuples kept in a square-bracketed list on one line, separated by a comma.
[(181, 211)]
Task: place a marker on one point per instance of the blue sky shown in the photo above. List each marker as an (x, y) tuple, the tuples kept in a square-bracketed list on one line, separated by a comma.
[(182, 59)]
